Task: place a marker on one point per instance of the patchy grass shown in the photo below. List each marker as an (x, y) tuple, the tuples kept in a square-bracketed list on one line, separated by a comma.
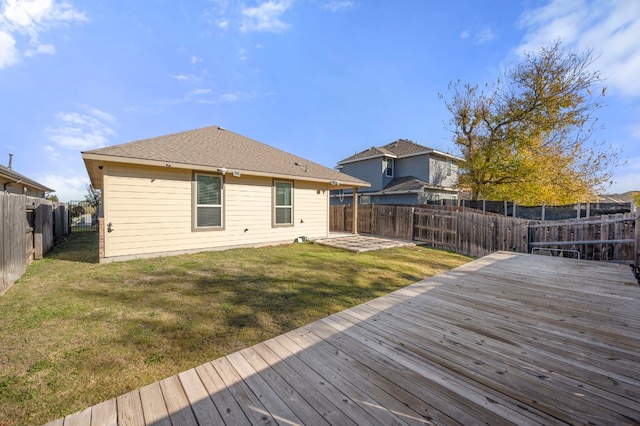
[(75, 333)]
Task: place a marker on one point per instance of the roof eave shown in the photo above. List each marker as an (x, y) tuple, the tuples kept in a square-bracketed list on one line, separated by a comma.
[(355, 160), (92, 161), (25, 181)]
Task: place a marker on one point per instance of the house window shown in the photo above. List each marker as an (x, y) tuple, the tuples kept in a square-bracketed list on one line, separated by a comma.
[(448, 167), (208, 201), (365, 199), (388, 167), (283, 205)]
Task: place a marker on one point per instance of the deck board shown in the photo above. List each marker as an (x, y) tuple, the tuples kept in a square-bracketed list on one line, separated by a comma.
[(505, 339)]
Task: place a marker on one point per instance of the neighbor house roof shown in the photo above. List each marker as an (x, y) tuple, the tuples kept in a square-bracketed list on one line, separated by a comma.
[(212, 149), (397, 149), (411, 184), (12, 176)]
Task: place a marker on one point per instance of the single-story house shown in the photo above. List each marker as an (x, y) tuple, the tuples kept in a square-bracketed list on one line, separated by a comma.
[(16, 183), (207, 189)]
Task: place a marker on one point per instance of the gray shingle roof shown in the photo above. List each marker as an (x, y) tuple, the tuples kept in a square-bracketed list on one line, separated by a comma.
[(399, 148), (217, 147)]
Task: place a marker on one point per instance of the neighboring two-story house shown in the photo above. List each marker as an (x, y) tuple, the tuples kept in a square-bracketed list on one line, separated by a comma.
[(401, 172)]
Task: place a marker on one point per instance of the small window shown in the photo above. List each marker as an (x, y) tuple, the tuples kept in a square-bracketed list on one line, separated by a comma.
[(208, 201), (448, 167), (389, 167), (365, 199), (283, 205)]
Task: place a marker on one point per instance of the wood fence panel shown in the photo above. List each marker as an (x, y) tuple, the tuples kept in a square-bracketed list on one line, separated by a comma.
[(336, 218), (608, 238), (438, 228), (14, 239), (26, 233), (365, 218)]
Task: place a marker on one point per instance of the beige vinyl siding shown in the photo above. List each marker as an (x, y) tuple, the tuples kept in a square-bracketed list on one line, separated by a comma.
[(151, 212)]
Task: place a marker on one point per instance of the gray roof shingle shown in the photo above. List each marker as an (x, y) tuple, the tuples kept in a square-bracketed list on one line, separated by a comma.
[(217, 147), (396, 149)]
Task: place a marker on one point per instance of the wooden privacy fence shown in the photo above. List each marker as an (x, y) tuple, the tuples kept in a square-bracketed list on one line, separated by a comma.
[(30, 227), (610, 238)]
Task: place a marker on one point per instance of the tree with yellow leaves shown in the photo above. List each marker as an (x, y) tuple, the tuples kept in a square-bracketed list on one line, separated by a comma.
[(528, 137)]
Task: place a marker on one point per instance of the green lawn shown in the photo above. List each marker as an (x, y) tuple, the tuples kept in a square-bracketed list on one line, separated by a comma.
[(75, 333)]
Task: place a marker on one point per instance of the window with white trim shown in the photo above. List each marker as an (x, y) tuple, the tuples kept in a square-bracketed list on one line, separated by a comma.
[(283, 203), (208, 201), (388, 169)]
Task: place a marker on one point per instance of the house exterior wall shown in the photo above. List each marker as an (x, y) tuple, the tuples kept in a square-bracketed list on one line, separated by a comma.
[(150, 211), (438, 172), (417, 166), (370, 170), (19, 188)]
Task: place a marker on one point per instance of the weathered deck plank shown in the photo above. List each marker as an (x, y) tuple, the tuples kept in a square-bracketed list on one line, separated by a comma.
[(506, 339)]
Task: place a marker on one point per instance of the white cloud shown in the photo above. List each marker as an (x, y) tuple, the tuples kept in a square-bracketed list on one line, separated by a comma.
[(610, 28), (195, 59), (31, 18), (627, 179), (484, 36), (199, 92), (337, 5), (223, 24), (242, 55), (481, 37), (265, 17), (82, 130), (49, 49), (8, 52), (68, 187), (227, 98)]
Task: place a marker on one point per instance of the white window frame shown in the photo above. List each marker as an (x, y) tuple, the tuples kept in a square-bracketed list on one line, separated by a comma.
[(276, 206), (220, 206), (386, 166)]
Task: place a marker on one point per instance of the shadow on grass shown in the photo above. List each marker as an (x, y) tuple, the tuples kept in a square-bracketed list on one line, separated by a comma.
[(77, 247)]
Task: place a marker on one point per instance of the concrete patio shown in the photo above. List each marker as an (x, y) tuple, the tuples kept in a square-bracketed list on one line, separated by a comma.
[(360, 243)]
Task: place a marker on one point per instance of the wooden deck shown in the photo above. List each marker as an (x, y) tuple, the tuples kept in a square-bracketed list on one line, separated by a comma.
[(508, 338)]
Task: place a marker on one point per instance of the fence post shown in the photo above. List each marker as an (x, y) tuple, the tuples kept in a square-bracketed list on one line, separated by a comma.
[(514, 209), (578, 211), (636, 269)]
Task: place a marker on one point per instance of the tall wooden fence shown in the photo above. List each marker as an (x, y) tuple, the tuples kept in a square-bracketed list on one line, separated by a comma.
[(30, 227), (610, 238)]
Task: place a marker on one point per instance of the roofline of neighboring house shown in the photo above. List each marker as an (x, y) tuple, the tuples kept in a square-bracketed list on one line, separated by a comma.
[(408, 191), (7, 173), (378, 155), (429, 151), (90, 157)]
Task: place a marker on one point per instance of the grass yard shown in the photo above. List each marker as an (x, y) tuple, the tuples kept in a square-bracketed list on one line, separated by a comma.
[(75, 333)]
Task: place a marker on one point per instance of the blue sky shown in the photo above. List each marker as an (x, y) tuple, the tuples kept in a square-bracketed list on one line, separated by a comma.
[(319, 78)]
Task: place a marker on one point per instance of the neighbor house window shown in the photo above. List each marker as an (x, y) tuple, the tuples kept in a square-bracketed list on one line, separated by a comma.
[(388, 167), (448, 167), (283, 203), (208, 201), (365, 199)]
